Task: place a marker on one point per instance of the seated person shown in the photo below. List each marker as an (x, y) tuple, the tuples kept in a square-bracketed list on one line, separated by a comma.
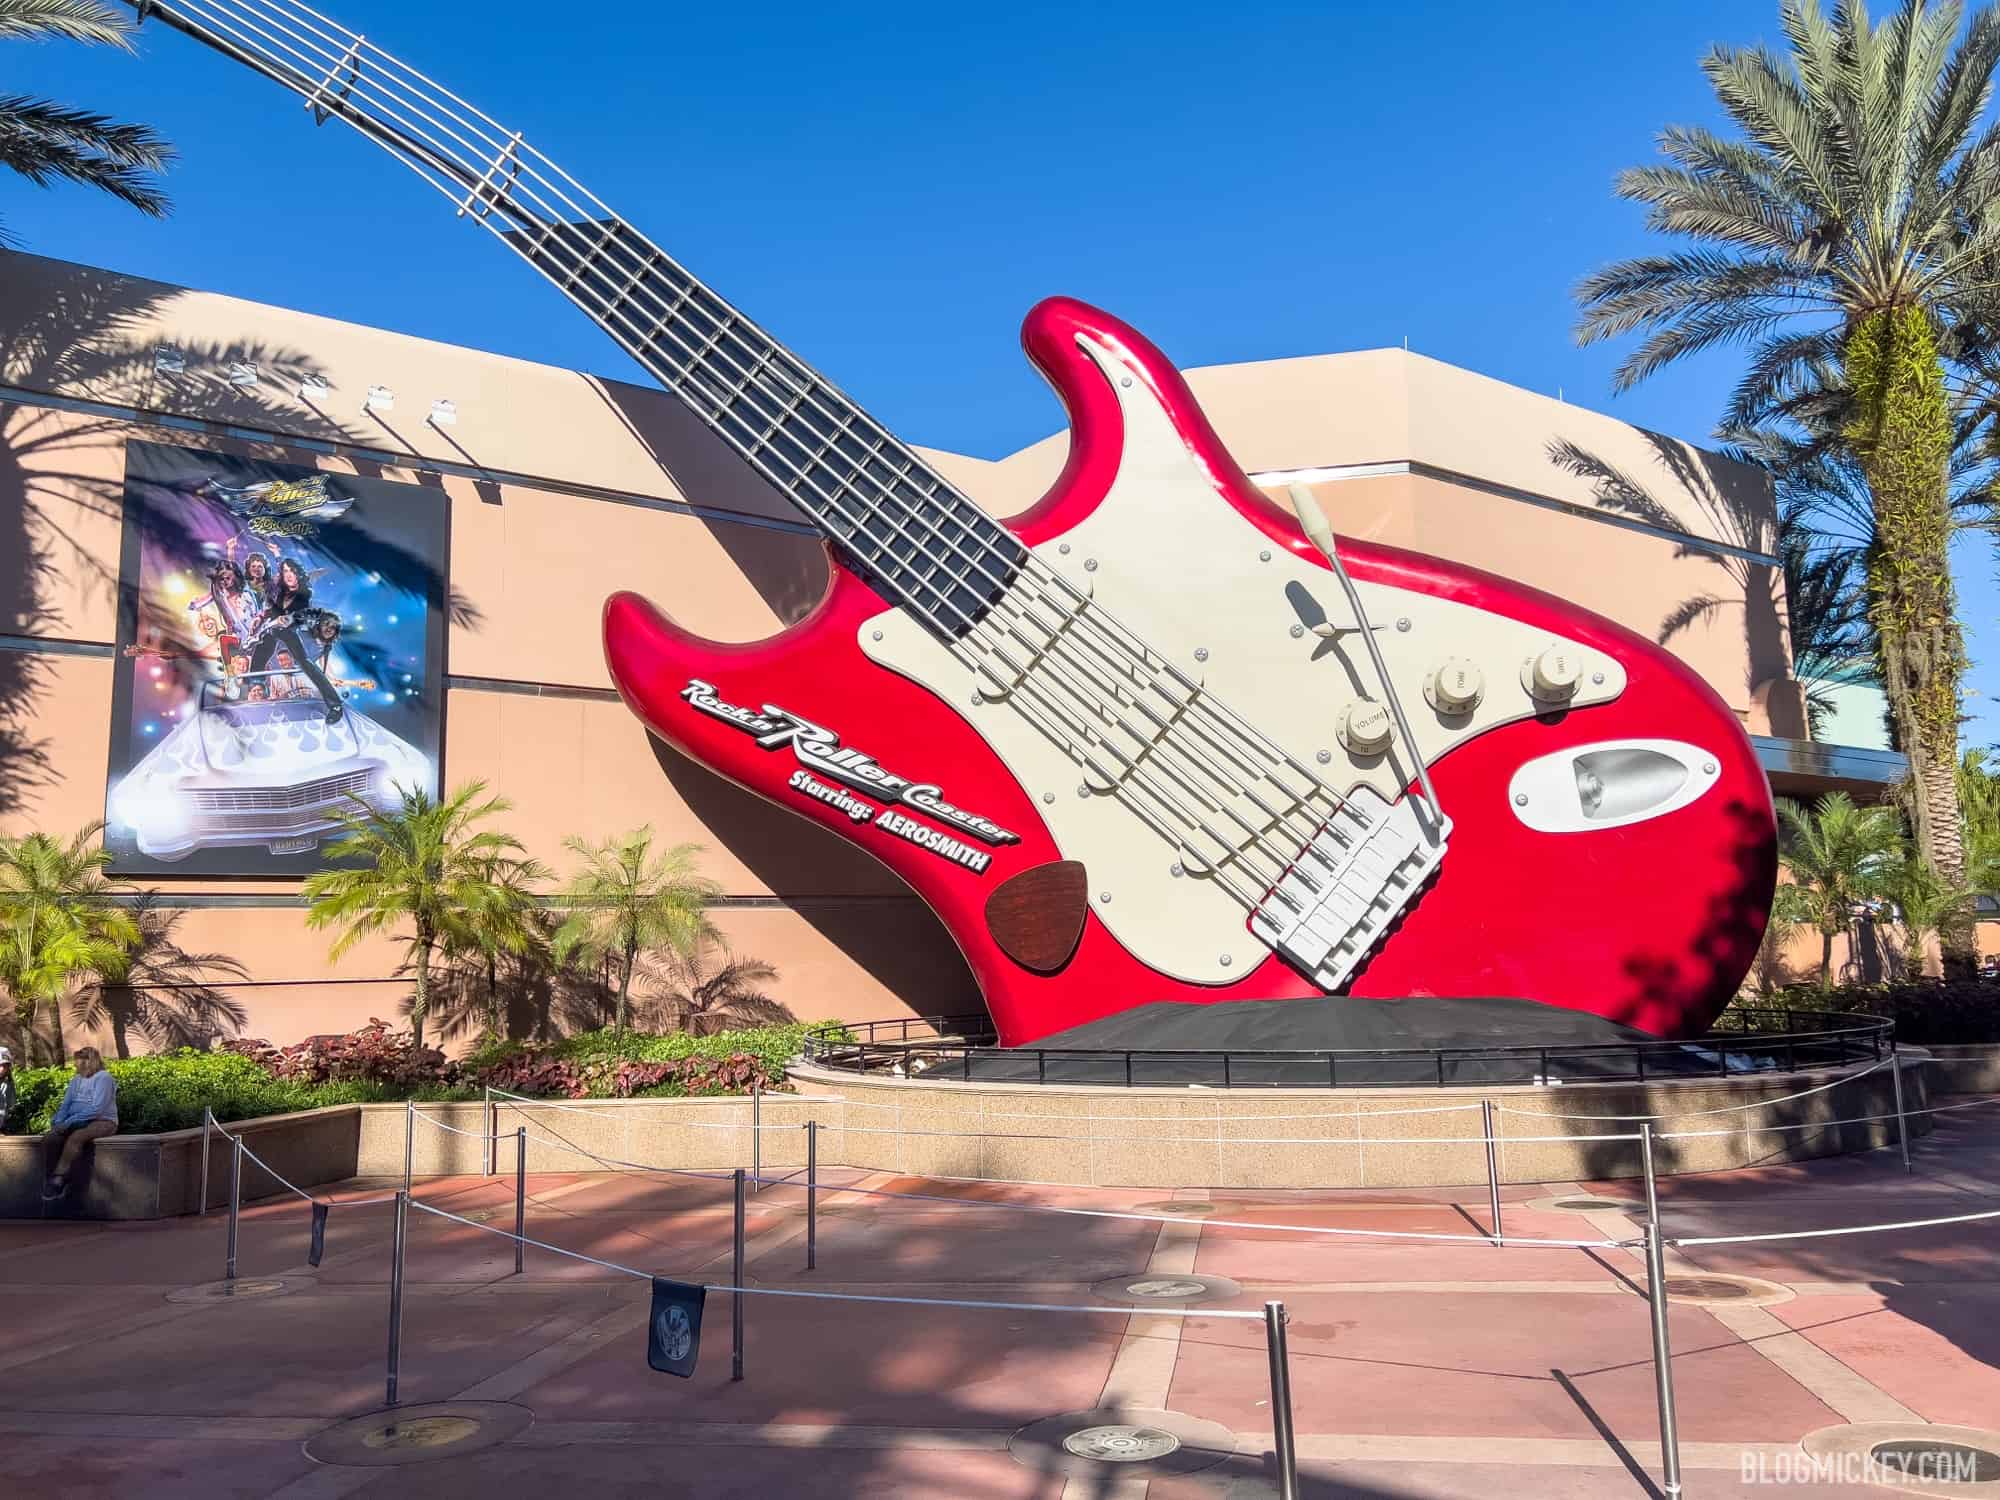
[(89, 1111)]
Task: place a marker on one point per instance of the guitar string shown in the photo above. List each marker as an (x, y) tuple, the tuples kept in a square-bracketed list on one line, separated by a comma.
[(725, 409), (774, 351), (1230, 848), (688, 372)]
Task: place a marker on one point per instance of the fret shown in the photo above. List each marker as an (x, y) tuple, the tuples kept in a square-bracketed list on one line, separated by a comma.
[(867, 491)]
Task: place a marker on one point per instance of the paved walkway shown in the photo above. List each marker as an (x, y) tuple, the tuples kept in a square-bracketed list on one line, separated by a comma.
[(1420, 1368)]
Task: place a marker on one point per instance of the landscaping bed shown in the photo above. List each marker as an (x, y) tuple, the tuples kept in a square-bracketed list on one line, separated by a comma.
[(248, 1080)]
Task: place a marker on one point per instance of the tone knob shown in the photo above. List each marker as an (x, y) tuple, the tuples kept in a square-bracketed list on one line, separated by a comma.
[(1456, 686), (1365, 727), (1552, 676)]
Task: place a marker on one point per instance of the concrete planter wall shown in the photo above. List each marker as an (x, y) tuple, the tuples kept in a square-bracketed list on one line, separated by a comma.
[(156, 1176), (1966, 1069), (1166, 1138)]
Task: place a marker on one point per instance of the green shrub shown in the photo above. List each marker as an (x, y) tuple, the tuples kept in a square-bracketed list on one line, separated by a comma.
[(169, 1091), (1926, 1011)]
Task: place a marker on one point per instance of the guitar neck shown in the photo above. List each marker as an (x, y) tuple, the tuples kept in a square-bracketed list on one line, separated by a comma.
[(917, 538)]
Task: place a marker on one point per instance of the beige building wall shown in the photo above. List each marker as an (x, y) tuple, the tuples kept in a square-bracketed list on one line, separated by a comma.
[(563, 487)]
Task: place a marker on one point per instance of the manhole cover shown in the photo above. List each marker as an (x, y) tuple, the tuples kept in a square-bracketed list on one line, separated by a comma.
[(1166, 1287), (1587, 1205), (1173, 1207), (1912, 1458), (1140, 1441), (1710, 1288), (1927, 1459), (418, 1434), (243, 1289), (422, 1432), (1122, 1444), (1747, 1291)]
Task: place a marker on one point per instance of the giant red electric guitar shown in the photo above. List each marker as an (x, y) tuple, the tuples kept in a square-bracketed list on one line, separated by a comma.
[(1155, 739)]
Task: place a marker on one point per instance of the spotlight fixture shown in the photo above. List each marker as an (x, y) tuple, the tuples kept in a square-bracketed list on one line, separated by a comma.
[(444, 413), (242, 373), (167, 360), (313, 388), (380, 398)]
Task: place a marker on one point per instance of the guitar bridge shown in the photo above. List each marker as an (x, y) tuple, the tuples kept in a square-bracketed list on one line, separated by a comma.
[(1349, 885)]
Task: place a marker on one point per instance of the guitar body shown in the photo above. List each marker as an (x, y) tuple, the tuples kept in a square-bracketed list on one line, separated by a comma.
[(1650, 920)]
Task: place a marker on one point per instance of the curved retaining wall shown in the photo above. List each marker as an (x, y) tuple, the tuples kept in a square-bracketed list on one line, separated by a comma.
[(1167, 1138), (1280, 1138)]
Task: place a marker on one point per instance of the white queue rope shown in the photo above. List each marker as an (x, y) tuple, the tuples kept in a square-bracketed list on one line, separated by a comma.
[(1682, 1114), (286, 1182), (1088, 1213), (1820, 1234), (1110, 1213), (764, 1291)]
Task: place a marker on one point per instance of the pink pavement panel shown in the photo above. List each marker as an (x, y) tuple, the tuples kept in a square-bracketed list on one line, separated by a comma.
[(1419, 1368)]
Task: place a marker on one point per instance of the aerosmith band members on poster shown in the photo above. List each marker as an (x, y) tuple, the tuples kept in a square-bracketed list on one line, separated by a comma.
[(284, 631), (291, 606)]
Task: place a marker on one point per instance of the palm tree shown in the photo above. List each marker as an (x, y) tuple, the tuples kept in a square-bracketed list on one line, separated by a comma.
[(627, 900), (505, 922), (705, 988), (1925, 905), (59, 921), (48, 143), (419, 872), (1838, 856), (1860, 199), (167, 994), (1979, 796)]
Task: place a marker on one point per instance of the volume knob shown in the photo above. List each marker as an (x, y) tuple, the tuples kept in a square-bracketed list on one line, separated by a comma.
[(1365, 727), (1456, 686), (1552, 677)]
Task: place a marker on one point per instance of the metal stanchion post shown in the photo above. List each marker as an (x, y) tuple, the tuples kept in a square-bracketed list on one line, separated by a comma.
[(1902, 1120), (396, 1293), (490, 1119), (812, 1194), (1663, 1354), (207, 1121), (1282, 1441), (235, 1207), (520, 1193), (736, 1298), (409, 1143), (757, 1133), (1492, 1168)]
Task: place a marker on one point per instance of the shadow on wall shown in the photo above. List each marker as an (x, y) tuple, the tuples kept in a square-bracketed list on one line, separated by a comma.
[(900, 943), (1737, 511), (789, 572), (87, 334)]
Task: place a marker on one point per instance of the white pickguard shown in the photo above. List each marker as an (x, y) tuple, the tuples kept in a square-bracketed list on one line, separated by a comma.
[(1173, 562)]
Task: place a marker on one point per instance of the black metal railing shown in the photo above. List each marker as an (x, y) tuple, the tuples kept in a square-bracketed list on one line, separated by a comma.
[(966, 1048)]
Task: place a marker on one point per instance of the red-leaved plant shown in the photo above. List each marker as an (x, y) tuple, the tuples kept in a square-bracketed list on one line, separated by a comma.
[(374, 1054)]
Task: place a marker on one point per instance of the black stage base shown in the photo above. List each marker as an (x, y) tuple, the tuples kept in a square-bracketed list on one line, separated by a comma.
[(1339, 1041)]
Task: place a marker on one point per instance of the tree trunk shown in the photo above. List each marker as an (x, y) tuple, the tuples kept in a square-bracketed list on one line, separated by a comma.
[(56, 1030), (117, 1019), (423, 1004), (625, 984), (1825, 962), (1902, 435)]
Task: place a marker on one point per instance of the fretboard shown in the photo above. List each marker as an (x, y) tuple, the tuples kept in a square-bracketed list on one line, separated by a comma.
[(911, 533), (920, 541)]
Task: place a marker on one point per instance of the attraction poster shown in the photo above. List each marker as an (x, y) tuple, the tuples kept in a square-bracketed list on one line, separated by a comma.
[(280, 655)]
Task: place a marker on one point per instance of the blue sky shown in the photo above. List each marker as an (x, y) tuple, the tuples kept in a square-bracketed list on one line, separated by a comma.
[(890, 187)]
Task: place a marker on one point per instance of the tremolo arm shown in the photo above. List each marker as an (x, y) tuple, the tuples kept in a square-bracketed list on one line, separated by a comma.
[(1340, 895)]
